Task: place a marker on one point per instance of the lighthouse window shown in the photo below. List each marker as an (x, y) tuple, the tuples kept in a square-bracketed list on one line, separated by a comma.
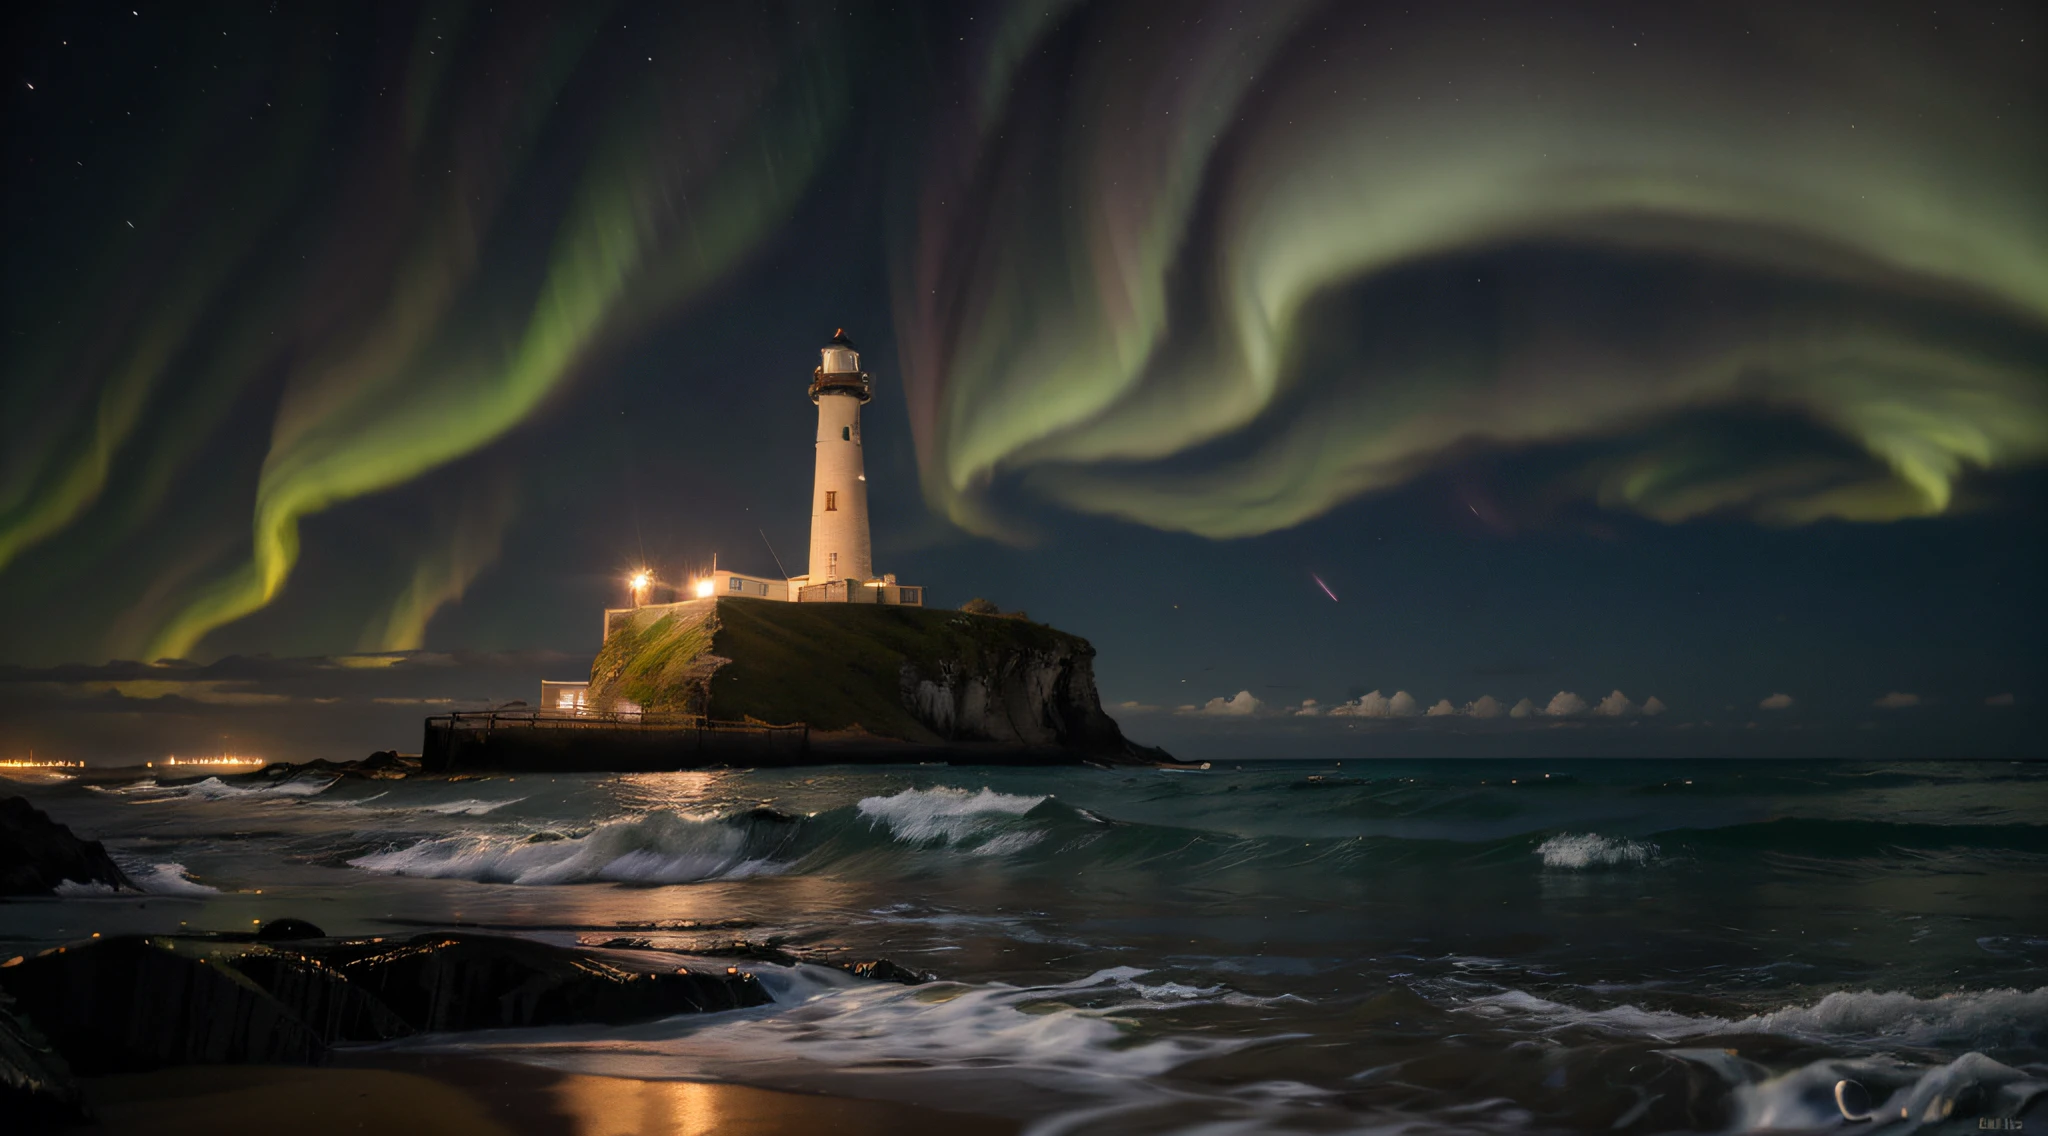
[(831, 500), (738, 585), (846, 433)]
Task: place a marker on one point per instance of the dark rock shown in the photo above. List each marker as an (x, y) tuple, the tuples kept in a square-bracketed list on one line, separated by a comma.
[(317, 995), (130, 1004), (135, 1003), (286, 930), (37, 854), (384, 765), (36, 1089), (457, 982), (881, 970)]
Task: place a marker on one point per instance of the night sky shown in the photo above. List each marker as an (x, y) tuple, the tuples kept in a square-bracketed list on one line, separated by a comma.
[(1412, 359)]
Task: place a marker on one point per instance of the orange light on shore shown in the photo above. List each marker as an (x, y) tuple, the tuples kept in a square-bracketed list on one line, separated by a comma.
[(34, 763), (640, 582), (705, 588)]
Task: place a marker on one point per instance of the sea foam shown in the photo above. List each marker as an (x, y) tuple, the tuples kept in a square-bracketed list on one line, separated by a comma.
[(1590, 850), (658, 848), (214, 789), (150, 879), (1975, 1019), (953, 816)]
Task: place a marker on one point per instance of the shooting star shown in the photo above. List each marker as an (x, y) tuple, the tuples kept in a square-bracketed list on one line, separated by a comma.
[(1323, 586)]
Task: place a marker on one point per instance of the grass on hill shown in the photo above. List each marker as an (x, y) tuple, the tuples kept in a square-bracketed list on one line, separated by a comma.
[(834, 666)]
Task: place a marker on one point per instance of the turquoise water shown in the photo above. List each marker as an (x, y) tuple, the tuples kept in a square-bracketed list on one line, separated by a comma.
[(1291, 947)]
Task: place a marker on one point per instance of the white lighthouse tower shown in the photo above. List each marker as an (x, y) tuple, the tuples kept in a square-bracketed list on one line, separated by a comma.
[(840, 549)]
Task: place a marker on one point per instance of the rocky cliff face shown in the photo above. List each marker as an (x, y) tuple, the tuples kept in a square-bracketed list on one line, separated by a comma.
[(1024, 696), (907, 675)]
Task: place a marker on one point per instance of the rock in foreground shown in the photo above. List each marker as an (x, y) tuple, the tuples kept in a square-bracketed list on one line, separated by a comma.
[(135, 1003), (37, 854)]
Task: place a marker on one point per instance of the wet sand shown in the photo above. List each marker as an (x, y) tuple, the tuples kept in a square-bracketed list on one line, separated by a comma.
[(468, 1095)]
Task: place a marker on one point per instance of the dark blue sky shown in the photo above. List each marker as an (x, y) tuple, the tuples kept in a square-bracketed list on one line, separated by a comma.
[(1582, 351)]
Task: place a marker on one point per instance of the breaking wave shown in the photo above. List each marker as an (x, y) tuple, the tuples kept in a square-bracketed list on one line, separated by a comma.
[(658, 848), (1978, 1019), (149, 879), (169, 879), (1071, 1028), (948, 816), (214, 789), (1589, 850)]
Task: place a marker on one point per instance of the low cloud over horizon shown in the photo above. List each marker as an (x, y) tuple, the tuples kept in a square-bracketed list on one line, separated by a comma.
[(1403, 705)]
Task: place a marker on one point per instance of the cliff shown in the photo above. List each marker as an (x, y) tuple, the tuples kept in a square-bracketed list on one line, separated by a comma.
[(868, 677)]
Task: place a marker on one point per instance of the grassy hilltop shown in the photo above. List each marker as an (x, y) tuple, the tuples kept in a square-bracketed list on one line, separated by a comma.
[(914, 675)]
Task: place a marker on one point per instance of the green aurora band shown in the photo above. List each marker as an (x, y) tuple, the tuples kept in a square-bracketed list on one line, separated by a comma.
[(397, 363), (1181, 326), (1783, 263)]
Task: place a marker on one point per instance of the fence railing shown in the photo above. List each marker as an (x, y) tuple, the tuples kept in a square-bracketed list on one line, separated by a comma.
[(601, 720)]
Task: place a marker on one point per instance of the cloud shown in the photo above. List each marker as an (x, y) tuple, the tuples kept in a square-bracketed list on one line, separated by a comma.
[(1999, 700), (1897, 701), (1616, 705), (1239, 705), (1377, 705), (1565, 704), (1777, 702), (1136, 707), (1402, 704)]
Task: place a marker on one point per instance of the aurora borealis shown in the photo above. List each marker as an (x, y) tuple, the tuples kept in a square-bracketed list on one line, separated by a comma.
[(1607, 228), (321, 321)]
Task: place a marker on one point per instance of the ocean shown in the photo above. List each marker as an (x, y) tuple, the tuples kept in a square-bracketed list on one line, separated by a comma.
[(1270, 946)]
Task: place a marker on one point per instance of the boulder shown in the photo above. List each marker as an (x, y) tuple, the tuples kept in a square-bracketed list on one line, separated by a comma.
[(37, 854), (453, 981), (287, 930), (880, 970), (135, 1003), (130, 1004)]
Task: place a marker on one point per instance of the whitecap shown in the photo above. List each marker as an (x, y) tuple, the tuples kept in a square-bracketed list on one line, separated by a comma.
[(1966, 1019), (214, 789), (659, 848), (1590, 850), (946, 815), (169, 879)]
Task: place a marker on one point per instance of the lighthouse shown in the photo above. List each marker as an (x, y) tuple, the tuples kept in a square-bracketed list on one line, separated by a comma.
[(840, 549)]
